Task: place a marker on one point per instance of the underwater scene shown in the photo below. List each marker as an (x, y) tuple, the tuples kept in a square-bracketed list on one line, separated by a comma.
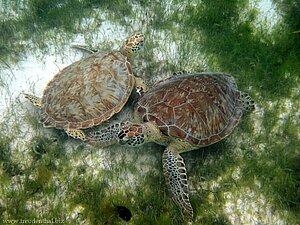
[(188, 112)]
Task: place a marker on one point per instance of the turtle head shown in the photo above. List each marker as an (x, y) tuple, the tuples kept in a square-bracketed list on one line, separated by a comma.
[(133, 44), (140, 86), (137, 134), (132, 135)]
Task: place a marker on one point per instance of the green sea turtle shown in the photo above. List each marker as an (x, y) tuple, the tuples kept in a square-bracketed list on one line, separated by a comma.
[(91, 90), (184, 112)]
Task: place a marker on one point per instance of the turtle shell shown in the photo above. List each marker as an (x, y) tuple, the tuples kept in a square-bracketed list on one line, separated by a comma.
[(201, 108), (88, 91)]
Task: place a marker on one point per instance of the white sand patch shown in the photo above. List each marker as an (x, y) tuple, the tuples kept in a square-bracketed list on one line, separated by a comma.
[(248, 207)]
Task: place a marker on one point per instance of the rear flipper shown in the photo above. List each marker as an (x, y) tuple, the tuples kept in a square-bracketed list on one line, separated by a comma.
[(247, 103), (77, 134), (176, 179), (181, 73)]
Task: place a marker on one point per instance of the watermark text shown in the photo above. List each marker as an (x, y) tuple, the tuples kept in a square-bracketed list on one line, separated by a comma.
[(34, 221)]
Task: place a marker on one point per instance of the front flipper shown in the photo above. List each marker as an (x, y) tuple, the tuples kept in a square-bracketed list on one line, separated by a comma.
[(34, 100), (85, 48), (176, 179)]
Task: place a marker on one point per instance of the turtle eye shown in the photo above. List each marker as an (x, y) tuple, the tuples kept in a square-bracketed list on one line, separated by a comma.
[(123, 138), (140, 91), (121, 135)]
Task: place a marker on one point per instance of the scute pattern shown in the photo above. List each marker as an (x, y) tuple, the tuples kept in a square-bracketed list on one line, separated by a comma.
[(201, 108), (87, 92)]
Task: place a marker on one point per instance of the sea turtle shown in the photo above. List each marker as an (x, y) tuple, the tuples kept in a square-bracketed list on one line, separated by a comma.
[(91, 90), (184, 112)]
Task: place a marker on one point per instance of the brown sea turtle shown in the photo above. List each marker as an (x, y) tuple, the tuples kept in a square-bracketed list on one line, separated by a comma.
[(91, 90), (186, 112)]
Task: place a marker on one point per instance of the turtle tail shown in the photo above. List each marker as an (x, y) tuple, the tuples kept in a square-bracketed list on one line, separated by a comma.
[(247, 103), (107, 136)]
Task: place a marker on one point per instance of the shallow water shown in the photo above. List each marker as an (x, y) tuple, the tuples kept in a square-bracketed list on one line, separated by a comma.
[(252, 177)]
